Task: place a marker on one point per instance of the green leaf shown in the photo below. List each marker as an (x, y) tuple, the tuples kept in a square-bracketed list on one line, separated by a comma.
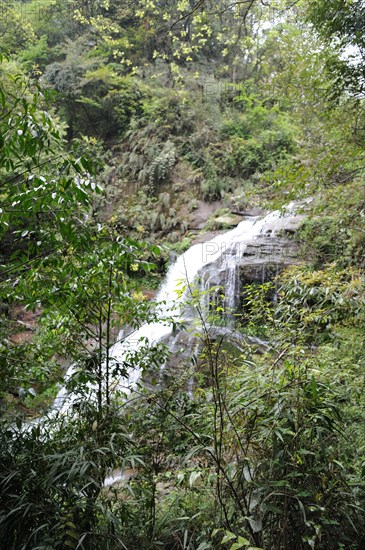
[(228, 536), (241, 543)]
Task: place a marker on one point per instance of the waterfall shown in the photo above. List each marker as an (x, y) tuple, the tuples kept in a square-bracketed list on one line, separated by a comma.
[(214, 263)]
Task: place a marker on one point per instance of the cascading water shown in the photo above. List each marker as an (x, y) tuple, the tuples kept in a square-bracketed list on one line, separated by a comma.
[(216, 263)]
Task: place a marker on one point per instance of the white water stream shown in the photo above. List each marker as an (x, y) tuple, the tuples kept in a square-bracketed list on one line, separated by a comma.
[(222, 254)]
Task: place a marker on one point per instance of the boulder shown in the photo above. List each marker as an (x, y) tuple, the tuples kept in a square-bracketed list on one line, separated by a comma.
[(228, 219)]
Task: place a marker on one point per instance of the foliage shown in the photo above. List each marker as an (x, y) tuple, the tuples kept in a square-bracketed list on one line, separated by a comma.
[(94, 98), (311, 303), (15, 32), (39, 54), (224, 449), (163, 219), (51, 19), (334, 231), (60, 249), (40, 179), (161, 166), (60, 502), (340, 23)]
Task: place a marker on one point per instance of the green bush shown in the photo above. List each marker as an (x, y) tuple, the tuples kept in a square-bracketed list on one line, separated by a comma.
[(256, 141), (51, 483)]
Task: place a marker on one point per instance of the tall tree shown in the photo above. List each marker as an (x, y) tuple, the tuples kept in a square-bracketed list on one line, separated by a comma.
[(341, 22)]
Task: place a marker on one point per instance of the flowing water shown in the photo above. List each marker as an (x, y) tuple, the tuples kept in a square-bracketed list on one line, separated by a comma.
[(207, 265)]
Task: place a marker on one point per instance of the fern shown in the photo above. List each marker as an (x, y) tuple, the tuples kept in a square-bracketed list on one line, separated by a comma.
[(161, 166)]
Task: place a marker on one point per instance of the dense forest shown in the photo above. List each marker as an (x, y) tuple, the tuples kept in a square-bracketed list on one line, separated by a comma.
[(129, 132)]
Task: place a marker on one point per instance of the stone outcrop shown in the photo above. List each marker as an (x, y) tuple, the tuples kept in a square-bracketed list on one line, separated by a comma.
[(271, 252), (256, 260)]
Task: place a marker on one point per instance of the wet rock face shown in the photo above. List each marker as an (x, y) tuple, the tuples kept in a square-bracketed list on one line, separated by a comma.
[(256, 260), (271, 252), (267, 257)]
